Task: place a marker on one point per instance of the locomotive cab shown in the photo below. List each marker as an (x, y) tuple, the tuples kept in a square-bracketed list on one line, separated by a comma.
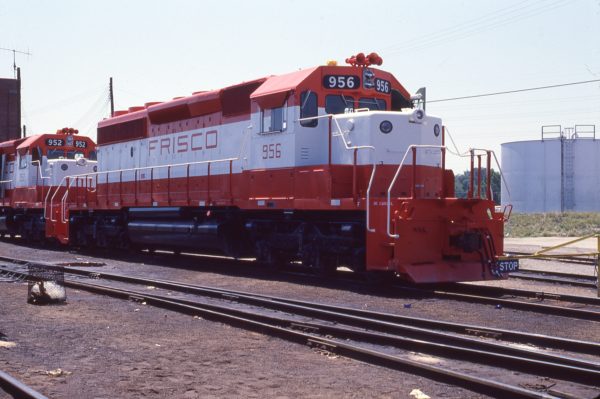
[(46, 160), (34, 169)]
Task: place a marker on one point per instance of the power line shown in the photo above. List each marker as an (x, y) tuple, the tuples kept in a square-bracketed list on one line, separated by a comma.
[(514, 91), (499, 18), (486, 18)]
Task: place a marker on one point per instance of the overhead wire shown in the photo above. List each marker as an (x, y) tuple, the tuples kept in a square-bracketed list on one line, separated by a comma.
[(503, 104), (87, 129), (458, 27), (471, 27), (66, 101), (515, 91), (91, 114)]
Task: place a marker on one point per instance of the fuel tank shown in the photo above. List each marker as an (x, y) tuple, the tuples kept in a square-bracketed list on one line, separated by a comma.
[(161, 233)]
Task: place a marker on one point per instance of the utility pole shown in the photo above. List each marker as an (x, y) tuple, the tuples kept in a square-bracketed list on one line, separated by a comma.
[(18, 71), (111, 96)]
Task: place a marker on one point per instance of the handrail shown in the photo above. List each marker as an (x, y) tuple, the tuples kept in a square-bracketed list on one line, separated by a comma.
[(120, 171), (49, 189), (499, 168), (369, 229), (355, 148), (39, 169), (411, 148), (471, 153), (467, 154), (333, 118)]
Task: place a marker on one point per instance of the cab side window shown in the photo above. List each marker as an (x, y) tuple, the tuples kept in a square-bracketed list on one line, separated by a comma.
[(399, 102), (274, 119), (22, 161), (36, 154), (309, 108)]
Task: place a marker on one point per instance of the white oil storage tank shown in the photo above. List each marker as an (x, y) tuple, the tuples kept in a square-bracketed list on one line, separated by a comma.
[(559, 173)]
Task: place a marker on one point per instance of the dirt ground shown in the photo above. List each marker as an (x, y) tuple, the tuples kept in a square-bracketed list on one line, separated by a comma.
[(111, 348), (119, 349)]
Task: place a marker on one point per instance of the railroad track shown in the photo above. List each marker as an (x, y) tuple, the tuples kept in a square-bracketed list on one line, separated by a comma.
[(338, 326), (280, 303), (568, 259), (578, 280), (504, 297), (495, 296), (17, 389)]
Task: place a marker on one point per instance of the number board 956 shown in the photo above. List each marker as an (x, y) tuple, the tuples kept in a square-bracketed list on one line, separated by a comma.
[(382, 86), (348, 82)]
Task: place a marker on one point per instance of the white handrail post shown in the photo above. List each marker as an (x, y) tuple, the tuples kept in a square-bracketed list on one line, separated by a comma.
[(410, 148), (369, 229)]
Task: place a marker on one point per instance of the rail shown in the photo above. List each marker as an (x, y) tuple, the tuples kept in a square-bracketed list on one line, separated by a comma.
[(40, 175), (356, 148), (468, 153), (17, 389), (569, 133), (69, 180), (412, 148), (544, 254), (472, 153)]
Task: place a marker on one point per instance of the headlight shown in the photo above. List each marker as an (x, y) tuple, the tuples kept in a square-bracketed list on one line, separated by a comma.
[(417, 116), (64, 166), (436, 130), (386, 127)]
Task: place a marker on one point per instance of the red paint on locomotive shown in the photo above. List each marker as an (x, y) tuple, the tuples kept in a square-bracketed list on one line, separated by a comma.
[(288, 168)]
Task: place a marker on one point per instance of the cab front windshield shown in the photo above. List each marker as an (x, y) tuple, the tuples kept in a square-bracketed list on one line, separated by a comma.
[(62, 154)]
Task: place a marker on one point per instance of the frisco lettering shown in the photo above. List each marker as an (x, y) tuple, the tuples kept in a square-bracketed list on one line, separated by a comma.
[(183, 143)]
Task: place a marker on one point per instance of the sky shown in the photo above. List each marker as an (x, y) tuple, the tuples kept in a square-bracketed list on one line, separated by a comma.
[(156, 50)]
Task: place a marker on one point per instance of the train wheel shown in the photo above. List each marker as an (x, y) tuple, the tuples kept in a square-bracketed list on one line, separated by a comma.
[(270, 258), (327, 266), (314, 258), (380, 278)]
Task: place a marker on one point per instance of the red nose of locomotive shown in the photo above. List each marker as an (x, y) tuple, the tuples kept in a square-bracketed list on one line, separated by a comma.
[(447, 240), (426, 235)]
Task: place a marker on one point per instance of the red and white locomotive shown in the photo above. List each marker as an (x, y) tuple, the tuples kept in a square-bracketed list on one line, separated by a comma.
[(326, 166), (34, 168)]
